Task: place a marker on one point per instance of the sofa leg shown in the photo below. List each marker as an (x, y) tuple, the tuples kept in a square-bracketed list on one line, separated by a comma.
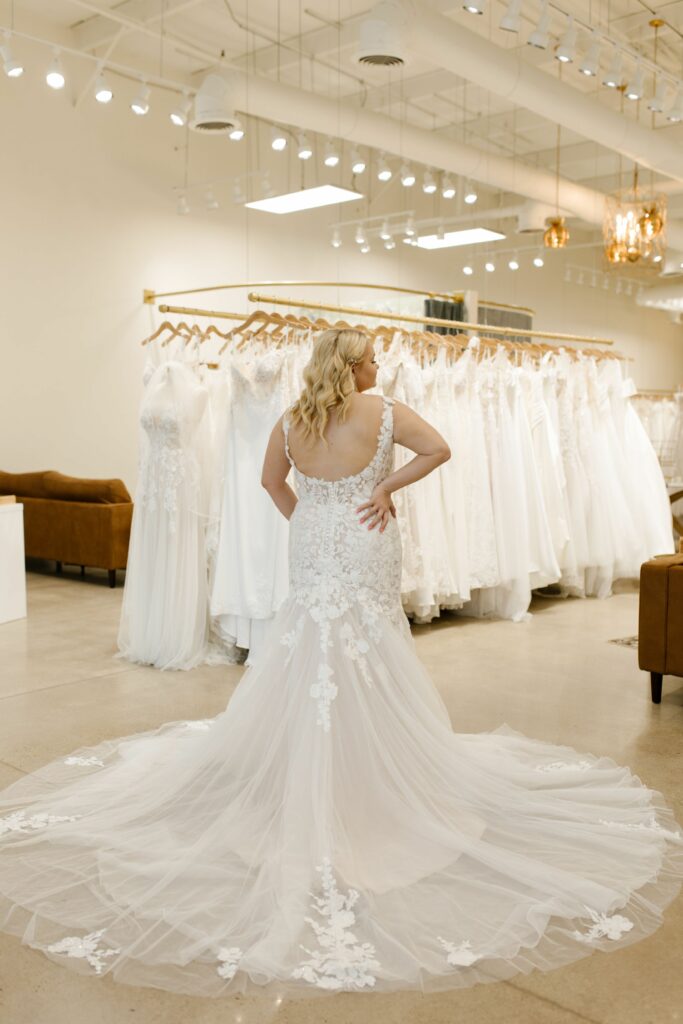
[(58, 568), (656, 687), (82, 570), (112, 577)]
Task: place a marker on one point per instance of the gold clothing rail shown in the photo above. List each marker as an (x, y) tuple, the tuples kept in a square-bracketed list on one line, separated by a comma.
[(484, 329)]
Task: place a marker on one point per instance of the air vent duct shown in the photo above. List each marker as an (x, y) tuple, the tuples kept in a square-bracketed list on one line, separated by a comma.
[(382, 35), (214, 112)]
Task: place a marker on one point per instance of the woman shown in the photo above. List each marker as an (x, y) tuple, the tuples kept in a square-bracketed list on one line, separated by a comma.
[(329, 830)]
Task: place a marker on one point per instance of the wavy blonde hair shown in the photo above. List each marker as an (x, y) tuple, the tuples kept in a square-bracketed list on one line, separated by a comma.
[(328, 380)]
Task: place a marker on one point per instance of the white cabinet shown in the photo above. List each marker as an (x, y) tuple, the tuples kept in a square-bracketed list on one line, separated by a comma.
[(12, 569)]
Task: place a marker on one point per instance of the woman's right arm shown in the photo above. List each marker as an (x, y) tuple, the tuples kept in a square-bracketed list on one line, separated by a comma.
[(431, 450)]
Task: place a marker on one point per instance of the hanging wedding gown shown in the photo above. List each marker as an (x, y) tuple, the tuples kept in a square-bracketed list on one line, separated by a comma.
[(329, 830)]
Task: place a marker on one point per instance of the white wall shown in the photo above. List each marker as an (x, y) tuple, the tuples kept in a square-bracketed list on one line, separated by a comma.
[(88, 219)]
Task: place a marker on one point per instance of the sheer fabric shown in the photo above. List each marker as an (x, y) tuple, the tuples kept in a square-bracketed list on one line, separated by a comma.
[(329, 831)]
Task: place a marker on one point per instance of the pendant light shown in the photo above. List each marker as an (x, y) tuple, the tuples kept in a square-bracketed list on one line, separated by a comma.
[(591, 62), (566, 49), (636, 87), (511, 20), (540, 37), (614, 74)]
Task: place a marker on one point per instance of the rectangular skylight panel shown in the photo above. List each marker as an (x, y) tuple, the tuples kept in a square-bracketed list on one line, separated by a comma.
[(305, 199), (470, 236)]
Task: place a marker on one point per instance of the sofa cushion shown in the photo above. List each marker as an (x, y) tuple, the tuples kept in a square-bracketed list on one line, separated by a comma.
[(58, 487)]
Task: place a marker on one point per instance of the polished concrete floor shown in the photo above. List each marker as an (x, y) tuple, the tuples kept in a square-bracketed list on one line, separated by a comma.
[(556, 677)]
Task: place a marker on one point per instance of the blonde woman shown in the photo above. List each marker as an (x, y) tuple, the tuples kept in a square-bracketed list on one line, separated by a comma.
[(329, 831)]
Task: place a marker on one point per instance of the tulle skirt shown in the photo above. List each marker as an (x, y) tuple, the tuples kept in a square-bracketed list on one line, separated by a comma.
[(331, 834)]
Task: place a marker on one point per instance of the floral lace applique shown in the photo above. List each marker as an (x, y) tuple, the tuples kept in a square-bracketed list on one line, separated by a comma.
[(84, 762), (199, 723), (560, 766), (229, 961), (340, 962), (18, 822), (356, 648), (651, 825), (607, 926), (324, 692), (85, 948), (459, 956), (292, 638)]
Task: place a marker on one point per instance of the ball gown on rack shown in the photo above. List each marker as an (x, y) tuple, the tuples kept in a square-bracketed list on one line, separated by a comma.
[(329, 831)]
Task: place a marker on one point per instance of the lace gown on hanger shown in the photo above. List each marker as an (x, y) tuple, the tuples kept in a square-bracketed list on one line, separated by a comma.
[(329, 830)]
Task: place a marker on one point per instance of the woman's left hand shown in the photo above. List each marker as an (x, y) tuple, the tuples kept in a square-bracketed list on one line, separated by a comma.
[(378, 509)]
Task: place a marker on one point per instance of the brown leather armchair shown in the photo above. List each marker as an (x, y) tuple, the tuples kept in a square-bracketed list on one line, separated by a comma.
[(73, 520), (660, 625)]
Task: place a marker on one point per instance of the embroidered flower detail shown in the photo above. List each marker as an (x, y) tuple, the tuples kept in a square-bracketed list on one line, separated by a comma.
[(18, 822), (84, 762), (559, 766), (199, 723), (229, 960), (324, 692), (340, 962), (85, 948), (355, 648), (651, 825), (604, 926), (459, 956), (292, 638)]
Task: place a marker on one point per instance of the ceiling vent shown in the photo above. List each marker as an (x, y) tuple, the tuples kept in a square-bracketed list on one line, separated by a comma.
[(382, 35), (214, 112)]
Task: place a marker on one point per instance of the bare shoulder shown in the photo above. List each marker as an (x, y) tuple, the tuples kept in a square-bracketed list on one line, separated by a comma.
[(367, 407)]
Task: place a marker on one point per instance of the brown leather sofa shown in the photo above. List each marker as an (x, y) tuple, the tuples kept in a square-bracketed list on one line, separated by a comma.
[(660, 626), (72, 520)]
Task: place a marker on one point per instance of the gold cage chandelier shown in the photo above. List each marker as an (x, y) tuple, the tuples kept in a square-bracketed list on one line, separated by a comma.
[(634, 229)]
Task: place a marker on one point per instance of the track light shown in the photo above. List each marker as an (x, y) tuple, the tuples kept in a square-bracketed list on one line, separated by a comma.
[(331, 158), (540, 37), (447, 188), (181, 113), (360, 235), (636, 87), (304, 151), (656, 104), (614, 74), (470, 194), (428, 183), (538, 261), (591, 62), (12, 68), (467, 269), (475, 6), (389, 243), (140, 104), (278, 139), (183, 205), (675, 113), (567, 44), (103, 92), (409, 230), (513, 263), (511, 21), (407, 176), (365, 247), (383, 169), (489, 266), (336, 239), (236, 133), (358, 164), (55, 74), (384, 232)]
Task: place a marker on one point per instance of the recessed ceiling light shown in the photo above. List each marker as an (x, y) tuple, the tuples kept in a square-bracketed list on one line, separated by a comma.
[(305, 199), (469, 236)]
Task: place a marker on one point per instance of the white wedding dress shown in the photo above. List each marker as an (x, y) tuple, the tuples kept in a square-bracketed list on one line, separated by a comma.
[(329, 830)]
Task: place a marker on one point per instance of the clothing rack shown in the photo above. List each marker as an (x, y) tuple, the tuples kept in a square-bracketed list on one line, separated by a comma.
[(149, 296), (407, 318)]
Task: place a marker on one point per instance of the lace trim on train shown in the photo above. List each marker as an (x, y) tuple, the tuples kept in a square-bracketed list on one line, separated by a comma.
[(605, 926), (85, 947), (18, 822), (340, 962)]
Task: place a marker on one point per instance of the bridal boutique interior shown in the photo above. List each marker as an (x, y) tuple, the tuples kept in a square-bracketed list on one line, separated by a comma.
[(192, 191)]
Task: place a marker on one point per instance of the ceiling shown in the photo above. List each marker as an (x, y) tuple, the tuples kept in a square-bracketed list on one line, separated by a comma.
[(312, 45)]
